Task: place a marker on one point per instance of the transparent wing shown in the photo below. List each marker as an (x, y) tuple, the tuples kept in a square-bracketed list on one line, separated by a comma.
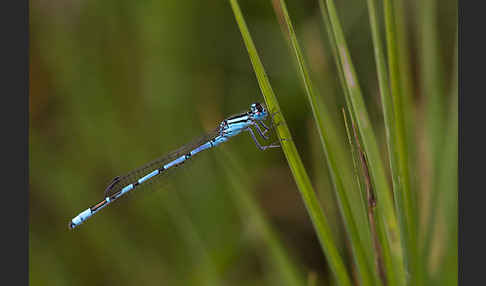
[(120, 182)]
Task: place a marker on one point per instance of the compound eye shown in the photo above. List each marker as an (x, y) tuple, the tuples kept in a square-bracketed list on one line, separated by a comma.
[(258, 107)]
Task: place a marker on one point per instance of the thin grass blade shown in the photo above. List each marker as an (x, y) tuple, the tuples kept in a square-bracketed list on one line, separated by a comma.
[(293, 158), (358, 114), (405, 199), (406, 86), (396, 136), (354, 223), (432, 82)]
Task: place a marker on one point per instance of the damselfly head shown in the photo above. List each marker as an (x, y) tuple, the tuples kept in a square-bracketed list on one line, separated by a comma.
[(258, 111)]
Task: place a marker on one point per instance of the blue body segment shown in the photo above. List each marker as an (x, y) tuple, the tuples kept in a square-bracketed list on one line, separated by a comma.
[(175, 162), (143, 179), (203, 147), (126, 189), (82, 217), (219, 140), (228, 128)]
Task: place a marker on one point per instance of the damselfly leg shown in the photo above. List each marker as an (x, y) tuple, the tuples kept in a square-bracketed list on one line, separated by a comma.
[(258, 144), (262, 133), (263, 125), (114, 182)]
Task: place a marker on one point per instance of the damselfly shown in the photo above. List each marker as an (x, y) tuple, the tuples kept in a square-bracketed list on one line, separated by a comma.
[(230, 127)]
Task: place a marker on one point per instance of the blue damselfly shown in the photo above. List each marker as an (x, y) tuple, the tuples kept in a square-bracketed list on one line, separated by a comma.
[(228, 128)]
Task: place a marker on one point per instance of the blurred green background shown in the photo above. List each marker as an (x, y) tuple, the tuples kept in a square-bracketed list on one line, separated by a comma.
[(116, 84)]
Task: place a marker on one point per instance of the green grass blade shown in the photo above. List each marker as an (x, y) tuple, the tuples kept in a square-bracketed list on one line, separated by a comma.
[(388, 269), (432, 80), (390, 118), (406, 86), (406, 76), (358, 112), (405, 199), (396, 135), (448, 186), (352, 146), (253, 215), (332, 43), (363, 187), (325, 190), (433, 91), (295, 163), (360, 115), (356, 229)]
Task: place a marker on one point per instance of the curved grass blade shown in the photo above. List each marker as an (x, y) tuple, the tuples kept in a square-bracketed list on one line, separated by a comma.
[(395, 134), (387, 223), (405, 199), (293, 158), (370, 199), (386, 267), (358, 112), (354, 223)]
